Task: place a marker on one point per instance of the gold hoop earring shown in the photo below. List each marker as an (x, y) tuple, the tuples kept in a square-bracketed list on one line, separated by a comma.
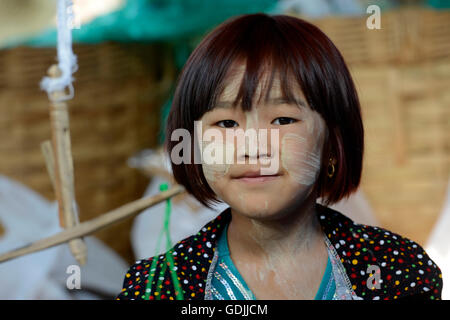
[(330, 168)]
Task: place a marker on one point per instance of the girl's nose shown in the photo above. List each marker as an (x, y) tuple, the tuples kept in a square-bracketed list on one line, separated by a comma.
[(255, 146)]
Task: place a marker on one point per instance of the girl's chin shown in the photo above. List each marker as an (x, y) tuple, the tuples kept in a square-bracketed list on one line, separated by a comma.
[(260, 215), (258, 210)]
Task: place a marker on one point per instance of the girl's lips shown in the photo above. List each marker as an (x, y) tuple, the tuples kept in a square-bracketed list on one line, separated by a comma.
[(257, 179)]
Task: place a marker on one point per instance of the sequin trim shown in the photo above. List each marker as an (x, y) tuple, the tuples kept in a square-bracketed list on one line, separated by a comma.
[(236, 281), (226, 285), (212, 267), (344, 289)]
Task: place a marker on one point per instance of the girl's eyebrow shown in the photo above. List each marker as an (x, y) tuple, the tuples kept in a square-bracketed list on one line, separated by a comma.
[(274, 101)]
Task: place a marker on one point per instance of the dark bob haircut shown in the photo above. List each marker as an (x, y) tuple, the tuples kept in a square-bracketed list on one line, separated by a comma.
[(294, 49)]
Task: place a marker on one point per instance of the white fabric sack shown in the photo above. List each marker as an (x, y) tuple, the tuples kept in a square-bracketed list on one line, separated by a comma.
[(28, 217), (438, 245)]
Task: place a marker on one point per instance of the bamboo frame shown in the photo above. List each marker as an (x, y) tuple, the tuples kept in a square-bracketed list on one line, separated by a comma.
[(85, 228), (60, 164)]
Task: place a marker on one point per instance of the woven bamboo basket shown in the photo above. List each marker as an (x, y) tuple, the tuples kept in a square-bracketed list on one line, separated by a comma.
[(434, 34), (119, 89), (407, 35), (406, 166), (402, 74), (360, 45)]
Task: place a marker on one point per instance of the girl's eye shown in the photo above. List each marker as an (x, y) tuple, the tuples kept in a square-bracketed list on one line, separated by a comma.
[(284, 120), (226, 123)]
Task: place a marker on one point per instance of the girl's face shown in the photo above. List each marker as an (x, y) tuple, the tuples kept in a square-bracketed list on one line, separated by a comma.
[(293, 156)]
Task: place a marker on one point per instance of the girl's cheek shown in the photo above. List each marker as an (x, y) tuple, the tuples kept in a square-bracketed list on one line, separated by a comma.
[(301, 154), (300, 159), (215, 165)]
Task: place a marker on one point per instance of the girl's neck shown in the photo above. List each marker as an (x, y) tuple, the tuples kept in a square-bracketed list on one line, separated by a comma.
[(294, 234)]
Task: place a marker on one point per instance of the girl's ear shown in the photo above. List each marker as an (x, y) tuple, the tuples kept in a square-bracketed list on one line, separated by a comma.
[(333, 160)]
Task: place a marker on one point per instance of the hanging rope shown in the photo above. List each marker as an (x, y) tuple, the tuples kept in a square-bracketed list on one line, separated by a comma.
[(59, 152), (67, 60)]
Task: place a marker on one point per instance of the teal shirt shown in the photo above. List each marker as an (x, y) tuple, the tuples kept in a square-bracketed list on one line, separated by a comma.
[(228, 284)]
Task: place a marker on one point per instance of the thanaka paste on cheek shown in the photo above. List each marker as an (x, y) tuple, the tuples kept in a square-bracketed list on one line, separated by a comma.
[(301, 160), (215, 166), (301, 164)]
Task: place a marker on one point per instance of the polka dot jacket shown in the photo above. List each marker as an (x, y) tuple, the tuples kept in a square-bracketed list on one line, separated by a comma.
[(378, 264)]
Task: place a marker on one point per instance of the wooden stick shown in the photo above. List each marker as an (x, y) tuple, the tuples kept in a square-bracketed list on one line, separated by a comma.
[(85, 228), (77, 246), (62, 155), (47, 151), (63, 167)]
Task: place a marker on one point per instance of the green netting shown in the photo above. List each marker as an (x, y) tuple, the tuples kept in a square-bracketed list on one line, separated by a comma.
[(155, 20), (439, 4)]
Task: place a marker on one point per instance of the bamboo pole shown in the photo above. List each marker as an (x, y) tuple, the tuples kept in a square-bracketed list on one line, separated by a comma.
[(47, 151), (63, 167), (88, 227)]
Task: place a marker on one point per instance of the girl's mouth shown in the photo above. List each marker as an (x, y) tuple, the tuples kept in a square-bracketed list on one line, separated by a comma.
[(258, 179)]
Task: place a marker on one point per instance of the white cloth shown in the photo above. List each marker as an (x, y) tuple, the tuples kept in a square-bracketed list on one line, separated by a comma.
[(27, 217), (357, 208), (438, 245)]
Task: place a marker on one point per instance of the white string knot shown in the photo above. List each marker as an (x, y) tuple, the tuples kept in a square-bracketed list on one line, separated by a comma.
[(67, 60)]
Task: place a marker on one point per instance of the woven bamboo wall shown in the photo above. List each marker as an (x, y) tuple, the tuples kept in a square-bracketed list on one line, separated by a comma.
[(402, 73), (115, 112)]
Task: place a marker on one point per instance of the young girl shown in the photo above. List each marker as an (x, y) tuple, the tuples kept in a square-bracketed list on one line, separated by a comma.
[(281, 76)]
